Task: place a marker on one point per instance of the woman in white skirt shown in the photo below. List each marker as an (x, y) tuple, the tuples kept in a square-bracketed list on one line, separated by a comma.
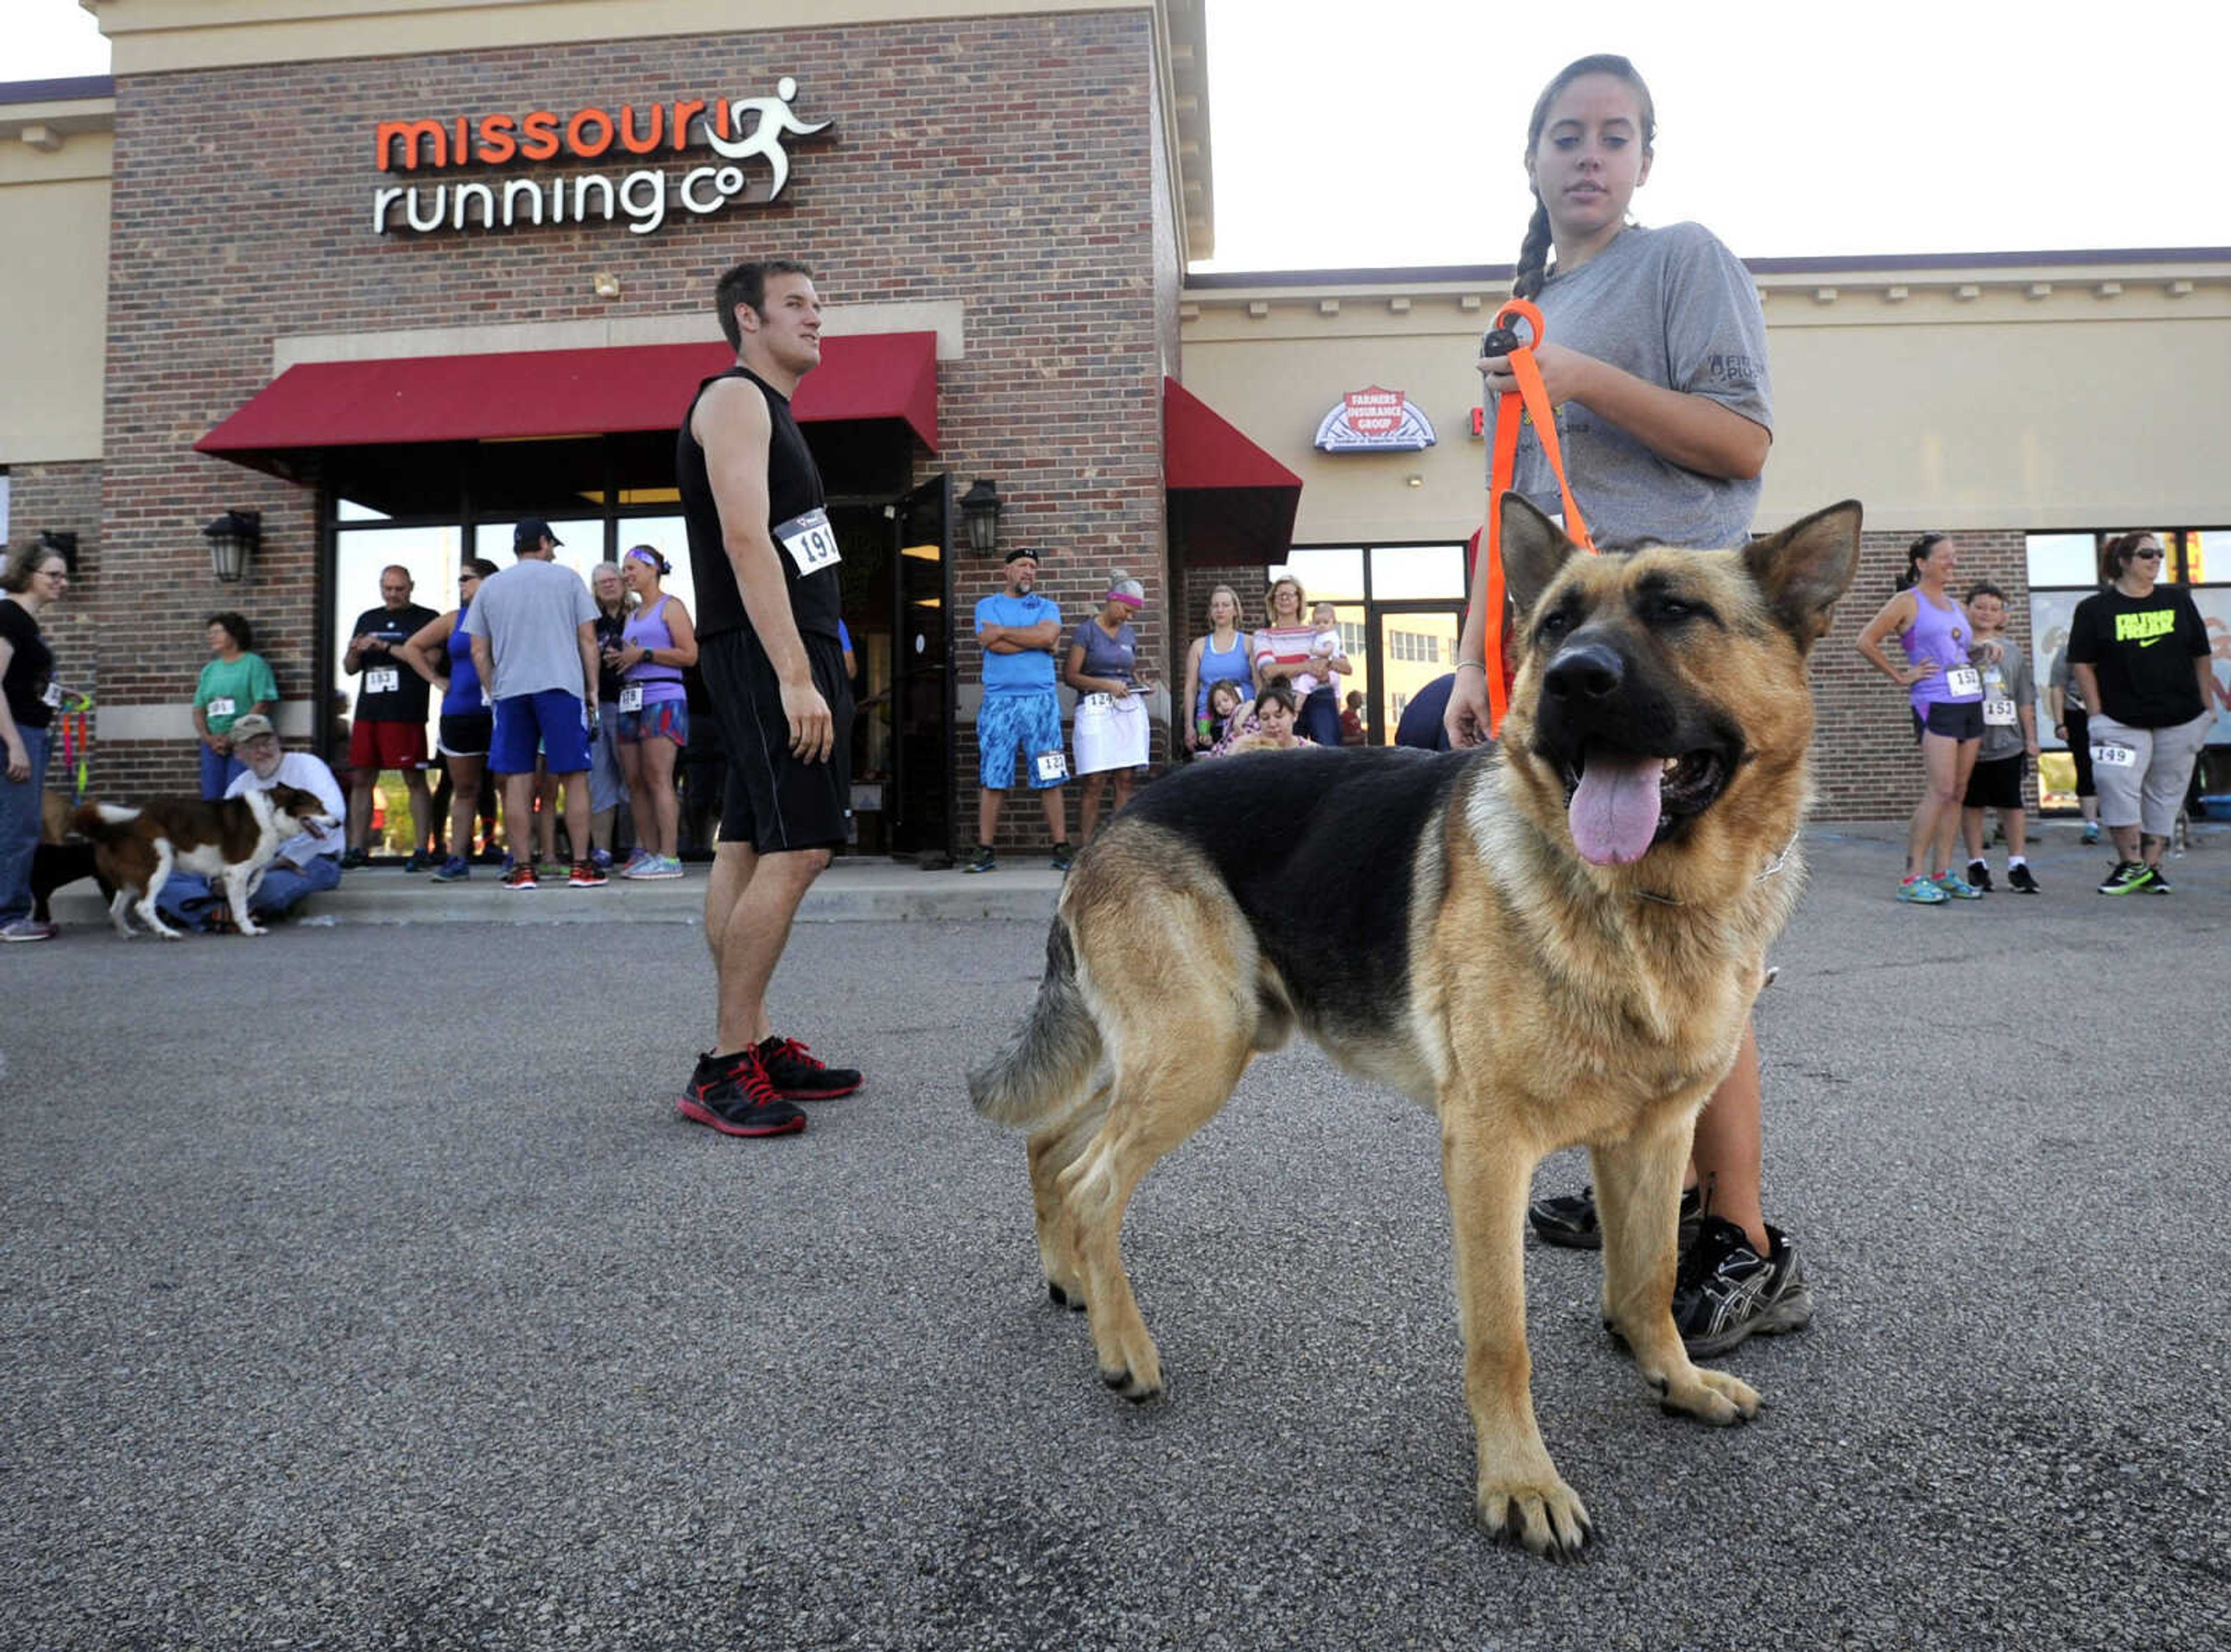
[(1111, 710)]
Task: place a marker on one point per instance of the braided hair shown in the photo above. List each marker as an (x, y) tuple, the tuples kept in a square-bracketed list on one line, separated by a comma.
[(1534, 252)]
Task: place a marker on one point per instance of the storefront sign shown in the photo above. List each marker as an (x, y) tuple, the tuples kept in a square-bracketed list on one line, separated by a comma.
[(1375, 421), (738, 131)]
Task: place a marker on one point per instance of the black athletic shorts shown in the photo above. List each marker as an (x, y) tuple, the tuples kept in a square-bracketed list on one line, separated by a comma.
[(1962, 720), (467, 733), (774, 802), (1995, 785)]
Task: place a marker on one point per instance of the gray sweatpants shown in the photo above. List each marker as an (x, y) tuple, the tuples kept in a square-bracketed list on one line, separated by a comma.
[(2146, 788)]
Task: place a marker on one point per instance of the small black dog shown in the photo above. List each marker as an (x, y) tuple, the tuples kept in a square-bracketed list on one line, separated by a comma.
[(62, 857)]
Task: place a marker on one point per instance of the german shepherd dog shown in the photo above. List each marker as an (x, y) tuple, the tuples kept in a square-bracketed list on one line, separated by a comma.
[(1554, 943)]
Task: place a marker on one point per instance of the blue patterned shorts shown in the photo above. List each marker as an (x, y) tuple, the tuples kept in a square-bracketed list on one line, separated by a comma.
[(1024, 726)]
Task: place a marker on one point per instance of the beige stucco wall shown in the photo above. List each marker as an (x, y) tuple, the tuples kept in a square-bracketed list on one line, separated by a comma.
[(2051, 397), (54, 297)]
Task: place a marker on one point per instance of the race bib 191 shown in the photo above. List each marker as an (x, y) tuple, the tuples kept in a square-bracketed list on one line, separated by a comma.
[(382, 680), (1999, 713), (810, 540), (1052, 766), (1963, 680), (632, 697), (2115, 757)]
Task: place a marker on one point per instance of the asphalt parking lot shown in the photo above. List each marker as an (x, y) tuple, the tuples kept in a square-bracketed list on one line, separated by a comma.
[(359, 1288)]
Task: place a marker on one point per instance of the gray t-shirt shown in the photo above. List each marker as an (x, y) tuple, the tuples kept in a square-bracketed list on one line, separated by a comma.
[(2009, 680), (532, 614), (1108, 656), (1675, 308)]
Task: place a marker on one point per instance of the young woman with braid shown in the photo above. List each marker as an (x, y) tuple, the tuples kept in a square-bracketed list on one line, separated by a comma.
[(1655, 359)]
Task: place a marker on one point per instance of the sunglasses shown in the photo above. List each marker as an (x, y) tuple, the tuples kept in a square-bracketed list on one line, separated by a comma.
[(2145, 556)]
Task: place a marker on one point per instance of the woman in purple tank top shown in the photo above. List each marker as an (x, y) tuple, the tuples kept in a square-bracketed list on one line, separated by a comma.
[(1946, 693), (659, 643)]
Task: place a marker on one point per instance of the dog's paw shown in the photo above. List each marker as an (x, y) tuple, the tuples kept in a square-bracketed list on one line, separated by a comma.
[(1709, 1396), (1544, 1519), (1133, 1386), (1065, 1296), (252, 928)]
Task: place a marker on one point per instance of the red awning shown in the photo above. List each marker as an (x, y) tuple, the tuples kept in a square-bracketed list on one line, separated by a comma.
[(542, 393), (1230, 501)]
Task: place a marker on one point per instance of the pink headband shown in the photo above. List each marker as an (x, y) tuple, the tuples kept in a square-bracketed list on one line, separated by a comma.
[(1126, 599)]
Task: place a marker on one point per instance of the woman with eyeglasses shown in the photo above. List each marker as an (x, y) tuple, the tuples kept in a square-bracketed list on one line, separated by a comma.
[(2139, 651), (466, 722), (28, 705)]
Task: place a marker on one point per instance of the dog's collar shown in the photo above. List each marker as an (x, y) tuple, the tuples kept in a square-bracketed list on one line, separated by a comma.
[(1773, 866)]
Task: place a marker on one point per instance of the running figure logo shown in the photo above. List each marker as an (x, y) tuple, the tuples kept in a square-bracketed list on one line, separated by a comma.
[(774, 122)]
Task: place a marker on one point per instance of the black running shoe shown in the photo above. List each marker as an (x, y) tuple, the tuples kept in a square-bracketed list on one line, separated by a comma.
[(2127, 877), (2158, 883), (2019, 878), (798, 1077), (1064, 855), (983, 860), (731, 1093), (1570, 1219), (1979, 874), (1726, 1292)]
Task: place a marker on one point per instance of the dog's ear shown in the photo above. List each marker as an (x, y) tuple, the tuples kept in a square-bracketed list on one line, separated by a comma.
[(1807, 567), (1533, 550)]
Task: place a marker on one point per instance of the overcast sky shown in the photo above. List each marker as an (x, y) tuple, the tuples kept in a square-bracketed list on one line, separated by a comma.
[(1363, 133)]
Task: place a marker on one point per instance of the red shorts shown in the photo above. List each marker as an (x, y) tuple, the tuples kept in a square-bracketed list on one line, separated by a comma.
[(374, 746)]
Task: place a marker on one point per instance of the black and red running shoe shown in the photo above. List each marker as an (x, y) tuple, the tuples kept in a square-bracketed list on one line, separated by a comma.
[(798, 1077), (732, 1094)]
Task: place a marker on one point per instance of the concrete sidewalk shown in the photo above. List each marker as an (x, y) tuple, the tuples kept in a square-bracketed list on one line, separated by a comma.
[(852, 890), (873, 889)]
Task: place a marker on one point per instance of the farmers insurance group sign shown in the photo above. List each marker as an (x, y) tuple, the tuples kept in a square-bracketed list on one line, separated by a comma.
[(1375, 420), (744, 137)]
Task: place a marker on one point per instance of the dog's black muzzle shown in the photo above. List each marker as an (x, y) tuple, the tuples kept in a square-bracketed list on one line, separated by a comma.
[(1597, 696)]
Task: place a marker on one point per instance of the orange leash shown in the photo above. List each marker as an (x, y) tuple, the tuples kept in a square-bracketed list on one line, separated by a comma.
[(1532, 398)]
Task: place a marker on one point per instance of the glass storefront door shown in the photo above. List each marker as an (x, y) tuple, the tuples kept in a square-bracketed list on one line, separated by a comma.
[(1416, 643)]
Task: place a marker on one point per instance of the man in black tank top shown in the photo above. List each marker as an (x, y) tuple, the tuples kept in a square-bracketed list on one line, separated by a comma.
[(764, 559)]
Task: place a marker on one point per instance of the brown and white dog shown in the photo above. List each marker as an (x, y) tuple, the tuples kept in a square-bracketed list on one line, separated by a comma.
[(229, 842)]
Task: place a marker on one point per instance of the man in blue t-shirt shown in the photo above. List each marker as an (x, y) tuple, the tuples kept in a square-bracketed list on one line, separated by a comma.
[(1020, 716)]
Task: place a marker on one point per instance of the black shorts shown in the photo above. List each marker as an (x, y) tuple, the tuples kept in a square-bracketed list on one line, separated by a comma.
[(1995, 785), (773, 802), (1963, 721), (467, 733)]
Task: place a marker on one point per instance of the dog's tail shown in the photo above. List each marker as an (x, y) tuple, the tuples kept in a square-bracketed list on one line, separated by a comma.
[(1053, 1057), (98, 821)]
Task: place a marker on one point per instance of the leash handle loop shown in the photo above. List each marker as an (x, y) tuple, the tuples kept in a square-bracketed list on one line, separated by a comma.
[(1531, 398)]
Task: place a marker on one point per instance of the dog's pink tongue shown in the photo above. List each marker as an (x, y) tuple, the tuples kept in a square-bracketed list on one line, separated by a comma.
[(1614, 812)]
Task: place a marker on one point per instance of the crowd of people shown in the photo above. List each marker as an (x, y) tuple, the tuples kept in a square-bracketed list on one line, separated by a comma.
[(1275, 688), (1973, 701)]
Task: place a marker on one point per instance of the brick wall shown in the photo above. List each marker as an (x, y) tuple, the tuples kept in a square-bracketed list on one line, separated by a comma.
[(1007, 162)]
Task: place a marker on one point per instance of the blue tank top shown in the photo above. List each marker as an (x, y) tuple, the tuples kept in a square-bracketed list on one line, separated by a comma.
[(464, 696), (1942, 635), (1233, 665)]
